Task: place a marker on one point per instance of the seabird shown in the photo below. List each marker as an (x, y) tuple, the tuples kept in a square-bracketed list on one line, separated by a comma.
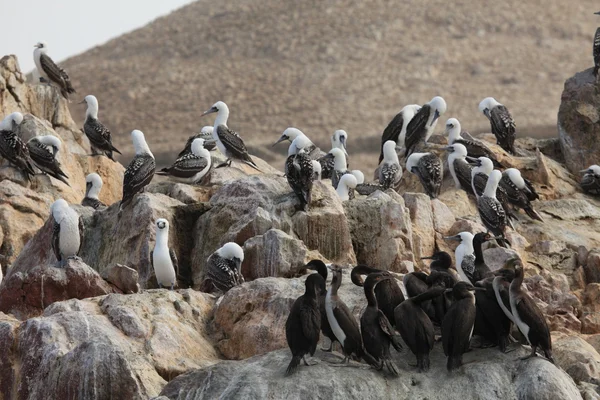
[(519, 192), (464, 255), (163, 258), (396, 129), (428, 168), (376, 330), (98, 134), (390, 171), (50, 72), (321, 268), (422, 125), (590, 183), (340, 167), (67, 231), (190, 167), (457, 327), (528, 317), (223, 267), (43, 151), (596, 51), (490, 209), (346, 186), (339, 140), (12, 148), (292, 133), (360, 177), (503, 124), (93, 185), (303, 325), (299, 171), (316, 170), (475, 148), (140, 170), (459, 167), (206, 133), (228, 141)]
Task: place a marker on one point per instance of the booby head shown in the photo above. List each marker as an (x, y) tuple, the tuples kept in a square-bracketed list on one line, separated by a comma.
[(592, 170), (217, 107), (515, 176), (316, 170), (289, 134), (492, 183), (52, 141), (232, 251), (458, 150), (162, 224), (462, 237), (139, 143), (93, 184), (11, 122), (389, 152), (299, 143), (487, 104), (197, 147), (339, 159), (438, 105), (452, 129), (339, 140), (410, 110), (92, 106), (57, 208), (413, 160), (347, 182), (41, 45), (482, 164), (360, 177), (207, 130)]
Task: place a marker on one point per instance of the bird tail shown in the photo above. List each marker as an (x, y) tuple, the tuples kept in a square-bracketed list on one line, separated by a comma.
[(423, 362), (293, 366), (63, 179), (533, 214), (454, 362), (548, 354), (377, 364), (389, 364), (164, 171), (251, 163)]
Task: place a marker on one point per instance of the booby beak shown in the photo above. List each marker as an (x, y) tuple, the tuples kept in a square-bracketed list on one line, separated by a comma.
[(449, 149), (343, 142), (436, 115), (486, 112), (597, 13), (210, 111), (281, 139), (473, 161), (82, 101), (455, 237), (585, 171), (88, 186)]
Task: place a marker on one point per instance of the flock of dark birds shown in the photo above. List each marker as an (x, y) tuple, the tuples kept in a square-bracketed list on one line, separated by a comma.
[(463, 300)]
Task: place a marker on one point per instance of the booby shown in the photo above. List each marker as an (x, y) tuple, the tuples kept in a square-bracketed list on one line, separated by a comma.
[(590, 183), (340, 166), (458, 323), (503, 124), (416, 327), (343, 323), (422, 125), (163, 258), (206, 133), (191, 167), (228, 141), (387, 292), (316, 170), (93, 185), (139, 171), (292, 133), (528, 317), (428, 168), (43, 151), (97, 133), (12, 148), (346, 186), (390, 171), (475, 148), (490, 209), (459, 167), (299, 171), (464, 255), (304, 323), (596, 49), (321, 268), (50, 72), (67, 231), (396, 129), (376, 330), (360, 177), (519, 191), (223, 267), (365, 188)]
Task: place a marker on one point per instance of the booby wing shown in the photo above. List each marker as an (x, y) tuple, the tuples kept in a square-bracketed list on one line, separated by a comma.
[(186, 166), (56, 75), (138, 174), (223, 273), (368, 188), (596, 51), (492, 214), (392, 132), (479, 181), (174, 260), (477, 149), (99, 136), (299, 172), (311, 323), (16, 152), (530, 192), (94, 203), (389, 175), (209, 143), (233, 143), (430, 173), (417, 129), (503, 127), (531, 315), (327, 162), (56, 239), (462, 169), (44, 159), (347, 322), (468, 266)]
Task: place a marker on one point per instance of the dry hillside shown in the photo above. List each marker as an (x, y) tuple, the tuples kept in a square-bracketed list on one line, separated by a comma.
[(325, 65)]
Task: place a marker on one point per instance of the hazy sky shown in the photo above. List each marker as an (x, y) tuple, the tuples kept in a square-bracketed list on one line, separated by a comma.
[(70, 27)]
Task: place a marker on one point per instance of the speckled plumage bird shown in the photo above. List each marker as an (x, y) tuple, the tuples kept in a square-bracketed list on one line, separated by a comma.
[(139, 171), (490, 209), (502, 123), (12, 148), (223, 267), (43, 151), (299, 171), (390, 171), (590, 182), (428, 168), (97, 133), (93, 185), (422, 125)]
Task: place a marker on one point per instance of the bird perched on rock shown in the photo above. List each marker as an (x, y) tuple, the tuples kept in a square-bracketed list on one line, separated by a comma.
[(190, 167), (43, 151), (362, 187), (292, 133), (67, 231), (390, 171), (396, 129), (96, 132), (491, 212), (423, 124), (93, 185), (139, 171), (228, 141), (519, 192), (475, 148), (316, 170), (503, 124), (464, 255), (339, 140), (303, 325), (206, 133), (50, 72), (335, 163), (299, 171), (590, 183), (163, 258), (596, 49), (223, 267), (12, 147), (459, 167), (345, 189), (428, 168)]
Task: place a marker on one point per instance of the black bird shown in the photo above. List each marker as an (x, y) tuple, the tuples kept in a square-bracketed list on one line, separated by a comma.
[(490, 320), (416, 328), (377, 331), (50, 72), (429, 170), (502, 123), (206, 134), (387, 292), (481, 271), (304, 323), (299, 171), (396, 129), (457, 326), (97, 133), (590, 183), (321, 268), (415, 284), (43, 151), (422, 125), (442, 261)]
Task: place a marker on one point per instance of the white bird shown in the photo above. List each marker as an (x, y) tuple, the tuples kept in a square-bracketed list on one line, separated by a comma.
[(316, 170), (50, 72), (43, 151), (491, 212), (163, 257), (460, 169), (190, 167), (423, 124), (396, 129), (390, 171), (67, 231), (206, 133), (475, 148), (360, 177), (338, 140), (465, 255), (339, 166), (590, 182), (346, 186), (93, 185), (140, 170), (292, 133), (223, 267), (97, 133), (502, 123), (519, 192)]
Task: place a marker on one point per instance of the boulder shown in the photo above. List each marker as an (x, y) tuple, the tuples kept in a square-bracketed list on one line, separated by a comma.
[(423, 229), (122, 277), (577, 358), (592, 267)]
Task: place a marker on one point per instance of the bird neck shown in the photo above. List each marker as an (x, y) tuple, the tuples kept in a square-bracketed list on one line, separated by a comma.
[(141, 147), (490, 188), (222, 116), (162, 237), (340, 163), (92, 111), (453, 135), (342, 191), (336, 281), (93, 192), (478, 252), (465, 248), (370, 295), (517, 281)]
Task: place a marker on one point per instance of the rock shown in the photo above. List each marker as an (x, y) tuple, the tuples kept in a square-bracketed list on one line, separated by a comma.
[(423, 230), (443, 219), (54, 356), (592, 267), (187, 194), (570, 209), (458, 202), (123, 277), (579, 121), (491, 375), (273, 254), (578, 358), (381, 230), (495, 257), (26, 293)]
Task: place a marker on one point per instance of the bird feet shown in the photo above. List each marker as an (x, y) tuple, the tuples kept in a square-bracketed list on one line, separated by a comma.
[(311, 362), (227, 163)]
